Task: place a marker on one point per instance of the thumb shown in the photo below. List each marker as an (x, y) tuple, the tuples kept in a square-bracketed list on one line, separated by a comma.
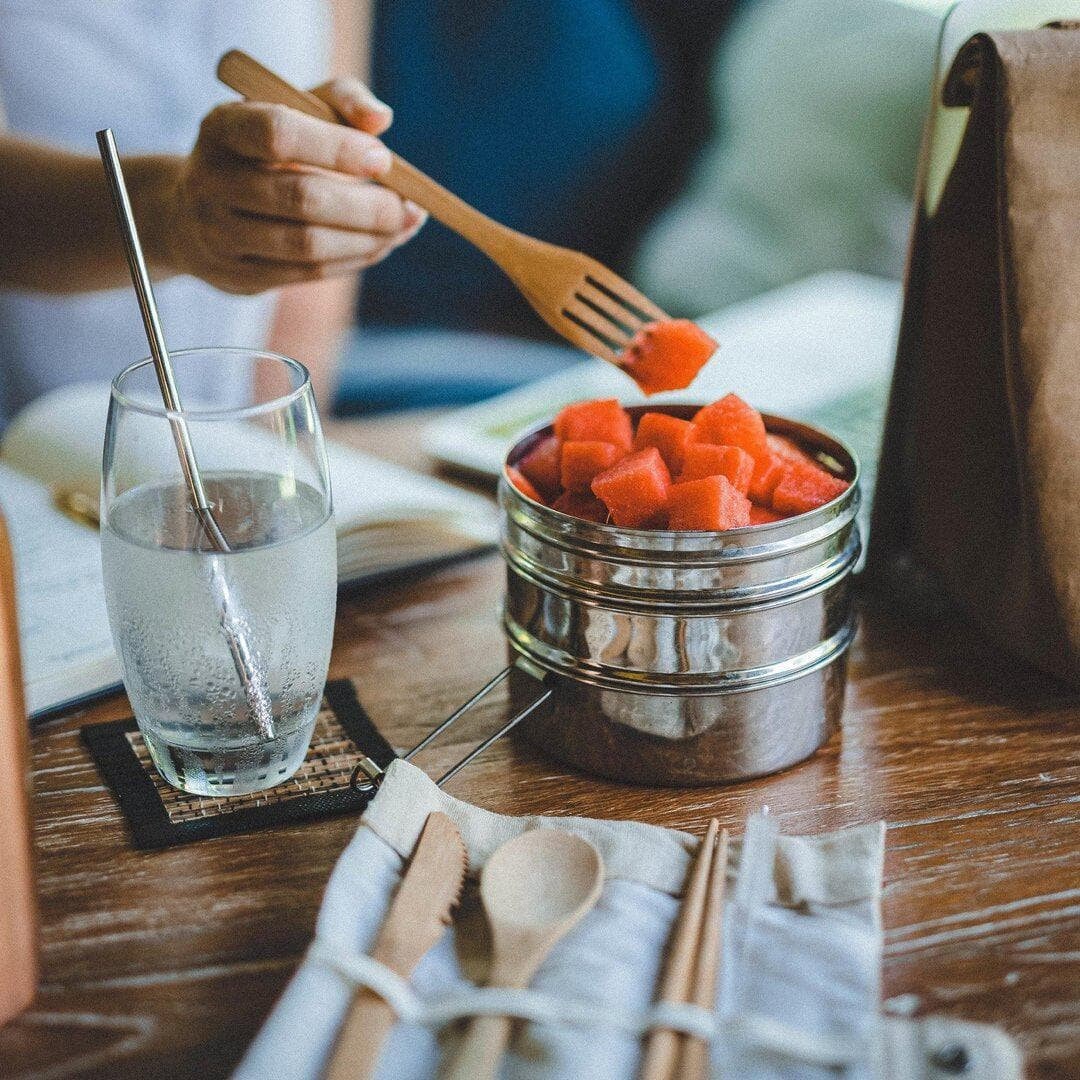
[(356, 104)]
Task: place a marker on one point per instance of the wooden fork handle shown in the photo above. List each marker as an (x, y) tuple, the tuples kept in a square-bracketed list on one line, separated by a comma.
[(356, 1052), (245, 75), (256, 82)]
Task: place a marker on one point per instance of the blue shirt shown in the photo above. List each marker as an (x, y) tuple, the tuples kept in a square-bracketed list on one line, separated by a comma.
[(570, 120)]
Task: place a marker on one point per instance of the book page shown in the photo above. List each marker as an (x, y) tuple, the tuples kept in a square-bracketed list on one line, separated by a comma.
[(58, 440), (67, 649), (371, 492)]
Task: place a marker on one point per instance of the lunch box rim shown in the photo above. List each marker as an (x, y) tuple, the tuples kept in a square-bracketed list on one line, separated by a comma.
[(744, 681), (720, 602)]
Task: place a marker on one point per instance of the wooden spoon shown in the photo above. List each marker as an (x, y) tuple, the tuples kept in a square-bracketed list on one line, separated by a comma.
[(534, 889)]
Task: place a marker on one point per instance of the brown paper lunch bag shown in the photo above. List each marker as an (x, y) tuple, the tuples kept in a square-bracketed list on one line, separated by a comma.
[(979, 482)]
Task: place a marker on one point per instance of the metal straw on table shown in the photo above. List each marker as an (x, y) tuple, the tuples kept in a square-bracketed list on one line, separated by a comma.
[(251, 678), (367, 775)]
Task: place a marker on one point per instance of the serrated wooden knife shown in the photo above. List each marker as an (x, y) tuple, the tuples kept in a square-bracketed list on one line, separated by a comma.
[(418, 917)]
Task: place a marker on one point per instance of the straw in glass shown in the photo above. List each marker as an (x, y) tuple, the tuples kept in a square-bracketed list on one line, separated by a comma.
[(251, 677)]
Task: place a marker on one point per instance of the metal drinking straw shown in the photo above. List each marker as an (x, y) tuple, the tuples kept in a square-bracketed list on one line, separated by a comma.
[(251, 678), (367, 775)]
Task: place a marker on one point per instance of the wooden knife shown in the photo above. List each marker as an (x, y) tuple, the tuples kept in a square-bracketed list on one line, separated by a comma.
[(417, 919)]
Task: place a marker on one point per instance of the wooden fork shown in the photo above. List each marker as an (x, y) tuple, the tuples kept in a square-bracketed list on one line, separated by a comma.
[(575, 295)]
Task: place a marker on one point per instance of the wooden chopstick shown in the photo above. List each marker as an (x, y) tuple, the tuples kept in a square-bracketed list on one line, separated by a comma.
[(662, 1044), (694, 1060)]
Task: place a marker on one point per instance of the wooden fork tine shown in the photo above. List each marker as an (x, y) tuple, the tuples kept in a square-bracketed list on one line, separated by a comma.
[(610, 314), (623, 294), (590, 332)]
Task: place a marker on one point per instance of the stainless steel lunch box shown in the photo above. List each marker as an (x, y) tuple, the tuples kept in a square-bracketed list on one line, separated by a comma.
[(674, 658), (681, 658)]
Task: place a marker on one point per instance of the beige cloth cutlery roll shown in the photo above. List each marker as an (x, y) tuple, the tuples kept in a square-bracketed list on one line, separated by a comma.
[(799, 987)]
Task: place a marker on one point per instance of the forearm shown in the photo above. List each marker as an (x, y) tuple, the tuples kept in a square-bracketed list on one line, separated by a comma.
[(310, 324), (268, 197), (58, 230)]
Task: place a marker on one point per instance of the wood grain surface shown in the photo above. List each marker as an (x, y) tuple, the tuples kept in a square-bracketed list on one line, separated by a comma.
[(166, 963)]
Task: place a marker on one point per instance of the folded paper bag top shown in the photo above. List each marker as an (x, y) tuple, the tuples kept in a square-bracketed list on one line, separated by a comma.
[(980, 475)]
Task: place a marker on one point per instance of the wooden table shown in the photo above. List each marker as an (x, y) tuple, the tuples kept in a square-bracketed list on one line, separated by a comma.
[(166, 963)]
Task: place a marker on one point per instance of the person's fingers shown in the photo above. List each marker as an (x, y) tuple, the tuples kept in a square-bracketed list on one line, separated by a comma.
[(319, 199), (356, 104), (294, 242), (277, 134), (415, 217)]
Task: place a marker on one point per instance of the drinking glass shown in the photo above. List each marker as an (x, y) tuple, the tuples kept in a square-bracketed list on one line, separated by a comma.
[(224, 649)]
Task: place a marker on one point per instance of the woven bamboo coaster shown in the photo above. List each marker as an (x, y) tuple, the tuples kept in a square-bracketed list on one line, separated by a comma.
[(160, 815)]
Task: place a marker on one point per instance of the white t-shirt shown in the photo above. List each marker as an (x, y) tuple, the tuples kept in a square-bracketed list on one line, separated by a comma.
[(145, 68)]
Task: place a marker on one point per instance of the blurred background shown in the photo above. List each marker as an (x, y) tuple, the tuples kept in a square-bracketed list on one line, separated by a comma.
[(709, 150)]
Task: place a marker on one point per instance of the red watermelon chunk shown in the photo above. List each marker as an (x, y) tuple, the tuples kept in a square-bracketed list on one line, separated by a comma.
[(522, 484), (604, 420), (709, 504), (731, 422), (760, 515), (635, 490), (805, 487), (730, 471), (768, 472), (787, 449), (704, 459), (582, 461), (666, 355), (541, 465), (581, 505), (668, 434)]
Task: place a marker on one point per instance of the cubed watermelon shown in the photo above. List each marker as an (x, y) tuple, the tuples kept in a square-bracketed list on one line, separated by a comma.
[(704, 459), (785, 449), (666, 355), (767, 473), (710, 504), (761, 515), (668, 434), (634, 490), (541, 466), (582, 461), (522, 484), (604, 420), (581, 505), (731, 422), (804, 487)]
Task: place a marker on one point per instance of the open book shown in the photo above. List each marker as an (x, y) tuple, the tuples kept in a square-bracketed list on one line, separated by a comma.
[(389, 520)]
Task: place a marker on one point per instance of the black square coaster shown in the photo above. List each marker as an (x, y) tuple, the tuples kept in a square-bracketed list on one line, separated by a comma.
[(159, 815)]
